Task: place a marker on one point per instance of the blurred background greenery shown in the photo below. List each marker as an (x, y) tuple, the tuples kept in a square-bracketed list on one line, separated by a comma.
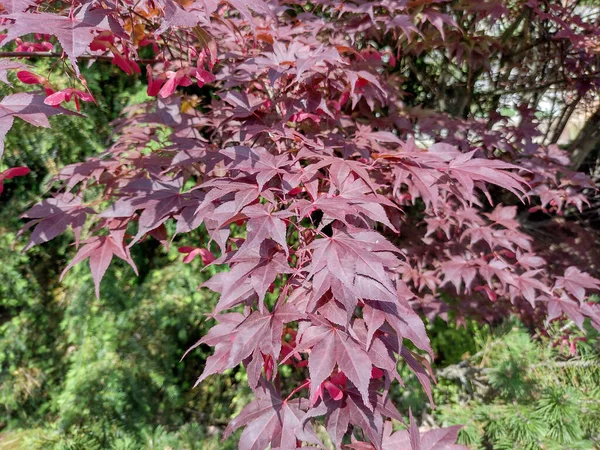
[(81, 373)]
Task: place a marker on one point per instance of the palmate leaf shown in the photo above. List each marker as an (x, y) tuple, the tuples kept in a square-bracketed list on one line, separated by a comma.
[(437, 439), (262, 332), (358, 259), (100, 250), (331, 346), (269, 419), (51, 217), (159, 200), (262, 225), (237, 337), (350, 410), (28, 107), (576, 282), (412, 439), (257, 267)]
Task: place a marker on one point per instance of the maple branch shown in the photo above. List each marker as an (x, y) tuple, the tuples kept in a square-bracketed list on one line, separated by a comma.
[(564, 119), (60, 55), (543, 86)]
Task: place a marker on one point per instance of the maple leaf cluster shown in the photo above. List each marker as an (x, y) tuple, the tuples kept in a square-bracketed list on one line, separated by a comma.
[(337, 229)]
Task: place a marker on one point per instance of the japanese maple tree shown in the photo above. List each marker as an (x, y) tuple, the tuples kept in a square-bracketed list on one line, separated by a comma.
[(343, 204)]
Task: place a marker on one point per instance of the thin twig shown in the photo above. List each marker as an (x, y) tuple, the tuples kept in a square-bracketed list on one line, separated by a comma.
[(60, 55), (541, 86)]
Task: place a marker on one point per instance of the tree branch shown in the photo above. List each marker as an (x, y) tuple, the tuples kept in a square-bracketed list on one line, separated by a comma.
[(571, 363), (540, 87), (564, 119), (60, 55), (587, 140)]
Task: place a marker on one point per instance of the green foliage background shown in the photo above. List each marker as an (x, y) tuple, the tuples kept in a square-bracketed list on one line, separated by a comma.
[(82, 373)]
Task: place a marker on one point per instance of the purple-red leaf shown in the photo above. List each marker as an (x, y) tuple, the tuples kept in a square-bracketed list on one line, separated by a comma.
[(29, 107)]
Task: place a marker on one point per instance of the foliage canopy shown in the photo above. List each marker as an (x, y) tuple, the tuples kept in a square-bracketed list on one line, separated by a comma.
[(351, 167)]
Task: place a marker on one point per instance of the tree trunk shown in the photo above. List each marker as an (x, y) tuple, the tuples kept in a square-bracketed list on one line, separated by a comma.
[(587, 141)]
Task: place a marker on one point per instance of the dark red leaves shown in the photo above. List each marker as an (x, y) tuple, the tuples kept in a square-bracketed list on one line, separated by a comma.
[(100, 251), (29, 107), (353, 263), (331, 347), (269, 419), (576, 282), (436, 439), (158, 200), (52, 216)]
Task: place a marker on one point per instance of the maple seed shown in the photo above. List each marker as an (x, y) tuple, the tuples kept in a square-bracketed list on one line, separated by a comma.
[(11, 173)]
